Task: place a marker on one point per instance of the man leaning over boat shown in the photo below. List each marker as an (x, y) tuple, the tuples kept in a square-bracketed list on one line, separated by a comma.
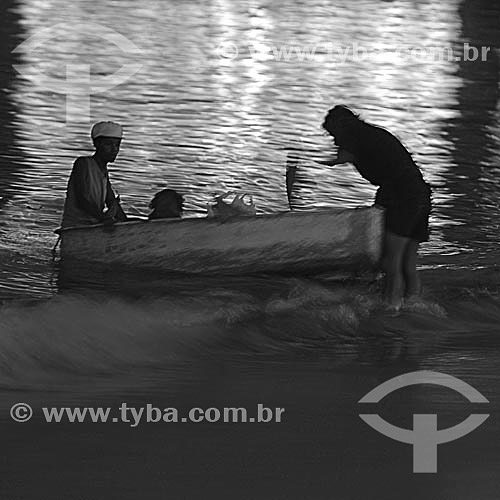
[(89, 190)]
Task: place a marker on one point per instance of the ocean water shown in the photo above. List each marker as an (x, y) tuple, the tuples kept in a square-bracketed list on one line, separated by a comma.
[(198, 120)]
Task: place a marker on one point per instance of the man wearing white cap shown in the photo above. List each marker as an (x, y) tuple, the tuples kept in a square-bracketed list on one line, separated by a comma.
[(89, 190)]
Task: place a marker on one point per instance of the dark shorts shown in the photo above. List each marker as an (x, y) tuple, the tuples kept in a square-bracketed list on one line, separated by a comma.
[(407, 209)]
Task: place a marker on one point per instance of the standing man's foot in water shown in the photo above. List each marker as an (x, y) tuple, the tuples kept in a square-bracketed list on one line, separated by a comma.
[(392, 309)]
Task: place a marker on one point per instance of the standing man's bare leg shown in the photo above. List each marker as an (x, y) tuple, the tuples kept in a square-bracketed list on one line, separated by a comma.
[(412, 281), (394, 252)]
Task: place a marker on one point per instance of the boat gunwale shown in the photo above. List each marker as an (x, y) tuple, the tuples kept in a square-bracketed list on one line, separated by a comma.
[(238, 218)]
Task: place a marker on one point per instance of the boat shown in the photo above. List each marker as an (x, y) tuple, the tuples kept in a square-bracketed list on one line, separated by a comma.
[(292, 242)]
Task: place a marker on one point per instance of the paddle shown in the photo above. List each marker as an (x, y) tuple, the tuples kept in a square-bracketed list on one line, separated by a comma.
[(291, 170)]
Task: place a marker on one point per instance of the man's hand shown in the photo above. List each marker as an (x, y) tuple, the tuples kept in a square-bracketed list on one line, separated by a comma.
[(107, 221), (108, 224), (114, 208), (110, 217)]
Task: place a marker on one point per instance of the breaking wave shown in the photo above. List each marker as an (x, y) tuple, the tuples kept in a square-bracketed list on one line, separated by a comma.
[(91, 336)]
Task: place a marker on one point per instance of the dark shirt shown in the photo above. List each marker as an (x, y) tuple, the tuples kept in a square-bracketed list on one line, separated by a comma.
[(379, 156)]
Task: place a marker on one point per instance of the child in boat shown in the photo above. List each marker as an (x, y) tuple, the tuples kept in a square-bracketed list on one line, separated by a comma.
[(89, 190), (381, 159), (167, 204)]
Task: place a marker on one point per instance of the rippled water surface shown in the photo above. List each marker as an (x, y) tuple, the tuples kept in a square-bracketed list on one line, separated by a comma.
[(198, 119), (226, 90)]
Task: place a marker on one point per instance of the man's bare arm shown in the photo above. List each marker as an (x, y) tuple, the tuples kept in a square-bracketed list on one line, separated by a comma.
[(342, 157), (115, 210)]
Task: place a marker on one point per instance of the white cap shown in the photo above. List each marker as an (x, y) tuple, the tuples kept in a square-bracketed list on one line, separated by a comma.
[(107, 129)]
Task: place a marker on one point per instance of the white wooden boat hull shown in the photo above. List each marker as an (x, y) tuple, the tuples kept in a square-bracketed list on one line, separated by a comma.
[(339, 239)]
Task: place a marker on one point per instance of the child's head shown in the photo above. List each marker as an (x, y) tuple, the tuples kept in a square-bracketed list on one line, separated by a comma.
[(166, 204)]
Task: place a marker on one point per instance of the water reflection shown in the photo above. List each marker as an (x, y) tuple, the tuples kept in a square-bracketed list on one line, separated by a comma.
[(474, 133), (11, 163)]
